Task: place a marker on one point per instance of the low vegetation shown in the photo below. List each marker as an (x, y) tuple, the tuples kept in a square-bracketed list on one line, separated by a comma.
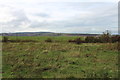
[(60, 57), (77, 41), (106, 37), (48, 40)]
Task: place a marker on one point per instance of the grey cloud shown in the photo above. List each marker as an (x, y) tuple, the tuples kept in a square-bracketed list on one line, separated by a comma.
[(105, 17), (15, 24), (42, 15), (95, 20), (101, 19)]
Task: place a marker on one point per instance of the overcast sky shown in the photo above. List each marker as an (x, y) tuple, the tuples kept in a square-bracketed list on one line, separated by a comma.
[(68, 16)]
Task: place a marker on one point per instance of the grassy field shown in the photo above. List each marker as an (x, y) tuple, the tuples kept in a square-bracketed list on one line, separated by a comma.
[(58, 59)]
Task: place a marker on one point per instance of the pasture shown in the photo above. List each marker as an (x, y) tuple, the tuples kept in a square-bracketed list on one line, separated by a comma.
[(58, 59)]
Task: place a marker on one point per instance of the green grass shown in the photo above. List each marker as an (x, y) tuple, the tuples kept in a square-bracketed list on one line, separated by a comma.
[(43, 38), (59, 59)]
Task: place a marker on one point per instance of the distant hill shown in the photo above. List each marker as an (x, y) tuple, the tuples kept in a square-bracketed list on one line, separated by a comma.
[(45, 34)]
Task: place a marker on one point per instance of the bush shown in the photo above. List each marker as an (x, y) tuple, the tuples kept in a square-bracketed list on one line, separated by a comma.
[(48, 40), (115, 38), (89, 39), (71, 40), (5, 39), (77, 41), (105, 37)]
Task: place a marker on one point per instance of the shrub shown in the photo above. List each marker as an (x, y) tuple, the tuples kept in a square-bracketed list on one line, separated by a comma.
[(105, 37), (115, 38), (71, 40), (5, 39), (89, 39), (77, 41), (48, 40)]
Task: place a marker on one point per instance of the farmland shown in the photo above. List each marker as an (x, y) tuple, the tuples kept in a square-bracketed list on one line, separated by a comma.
[(59, 58)]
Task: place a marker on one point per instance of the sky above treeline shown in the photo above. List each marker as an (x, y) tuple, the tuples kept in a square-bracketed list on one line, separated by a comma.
[(60, 16)]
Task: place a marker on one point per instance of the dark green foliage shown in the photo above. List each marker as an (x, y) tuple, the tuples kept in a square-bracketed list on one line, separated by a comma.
[(48, 40), (90, 39), (77, 41), (5, 39), (106, 37), (115, 38)]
